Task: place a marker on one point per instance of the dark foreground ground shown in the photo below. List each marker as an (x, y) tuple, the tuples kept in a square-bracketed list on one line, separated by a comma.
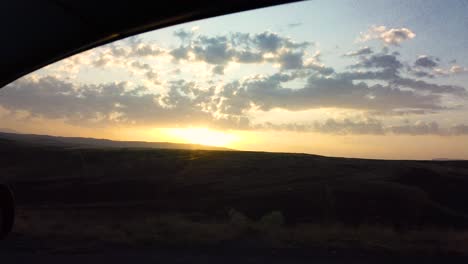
[(22, 249), (122, 205)]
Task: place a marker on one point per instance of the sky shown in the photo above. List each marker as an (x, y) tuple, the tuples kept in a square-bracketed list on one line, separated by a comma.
[(368, 79)]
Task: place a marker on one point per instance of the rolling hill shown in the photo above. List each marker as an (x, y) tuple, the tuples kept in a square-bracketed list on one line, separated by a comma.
[(305, 188), (80, 142)]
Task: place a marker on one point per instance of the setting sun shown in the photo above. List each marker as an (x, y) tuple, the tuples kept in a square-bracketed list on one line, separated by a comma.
[(203, 136)]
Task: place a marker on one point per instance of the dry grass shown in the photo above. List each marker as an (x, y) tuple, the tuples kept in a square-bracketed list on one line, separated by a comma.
[(269, 231)]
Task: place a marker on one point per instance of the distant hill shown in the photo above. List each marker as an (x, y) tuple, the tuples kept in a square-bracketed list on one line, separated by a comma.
[(446, 159), (80, 142), (7, 130)]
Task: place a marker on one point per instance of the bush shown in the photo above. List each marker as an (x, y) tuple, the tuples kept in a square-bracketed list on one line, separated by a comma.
[(274, 219), (238, 219)]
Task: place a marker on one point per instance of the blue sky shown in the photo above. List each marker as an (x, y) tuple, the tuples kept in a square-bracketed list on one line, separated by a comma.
[(335, 25)]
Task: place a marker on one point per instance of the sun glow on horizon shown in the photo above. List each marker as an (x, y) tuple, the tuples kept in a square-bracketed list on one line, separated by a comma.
[(202, 136)]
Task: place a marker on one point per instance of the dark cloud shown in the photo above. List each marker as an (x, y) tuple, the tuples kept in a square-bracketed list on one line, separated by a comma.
[(385, 61), (242, 48), (213, 50), (267, 41), (270, 92), (390, 69), (272, 42), (360, 52), (425, 86), (291, 60), (421, 74), (426, 62)]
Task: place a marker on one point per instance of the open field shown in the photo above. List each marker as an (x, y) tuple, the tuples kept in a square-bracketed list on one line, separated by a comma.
[(179, 198)]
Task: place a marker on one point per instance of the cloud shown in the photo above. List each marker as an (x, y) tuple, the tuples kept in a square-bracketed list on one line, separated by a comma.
[(389, 36), (368, 126), (421, 74), (459, 130), (375, 84), (291, 60), (293, 25), (426, 62), (457, 69), (183, 34), (267, 41), (180, 53), (141, 66), (145, 50), (269, 92), (248, 57), (110, 103), (424, 86), (390, 69), (187, 104), (379, 83), (213, 50), (133, 48), (347, 126), (453, 70), (111, 55), (218, 69), (272, 42), (419, 128), (428, 128), (431, 70), (265, 47), (385, 61), (359, 52)]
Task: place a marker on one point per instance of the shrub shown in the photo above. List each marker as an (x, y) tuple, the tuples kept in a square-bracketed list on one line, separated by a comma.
[(238, 219), (274, 219)]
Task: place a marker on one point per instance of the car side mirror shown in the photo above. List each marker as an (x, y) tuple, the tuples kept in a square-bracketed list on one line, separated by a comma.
[(7, 210)]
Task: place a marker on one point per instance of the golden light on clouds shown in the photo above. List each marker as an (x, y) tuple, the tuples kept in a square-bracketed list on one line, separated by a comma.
[(254, 89)]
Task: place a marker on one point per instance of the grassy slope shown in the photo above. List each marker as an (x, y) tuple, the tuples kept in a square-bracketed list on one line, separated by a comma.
[(305, 188)]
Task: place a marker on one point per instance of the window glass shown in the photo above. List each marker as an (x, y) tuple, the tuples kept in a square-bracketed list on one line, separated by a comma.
[(192, 134)]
